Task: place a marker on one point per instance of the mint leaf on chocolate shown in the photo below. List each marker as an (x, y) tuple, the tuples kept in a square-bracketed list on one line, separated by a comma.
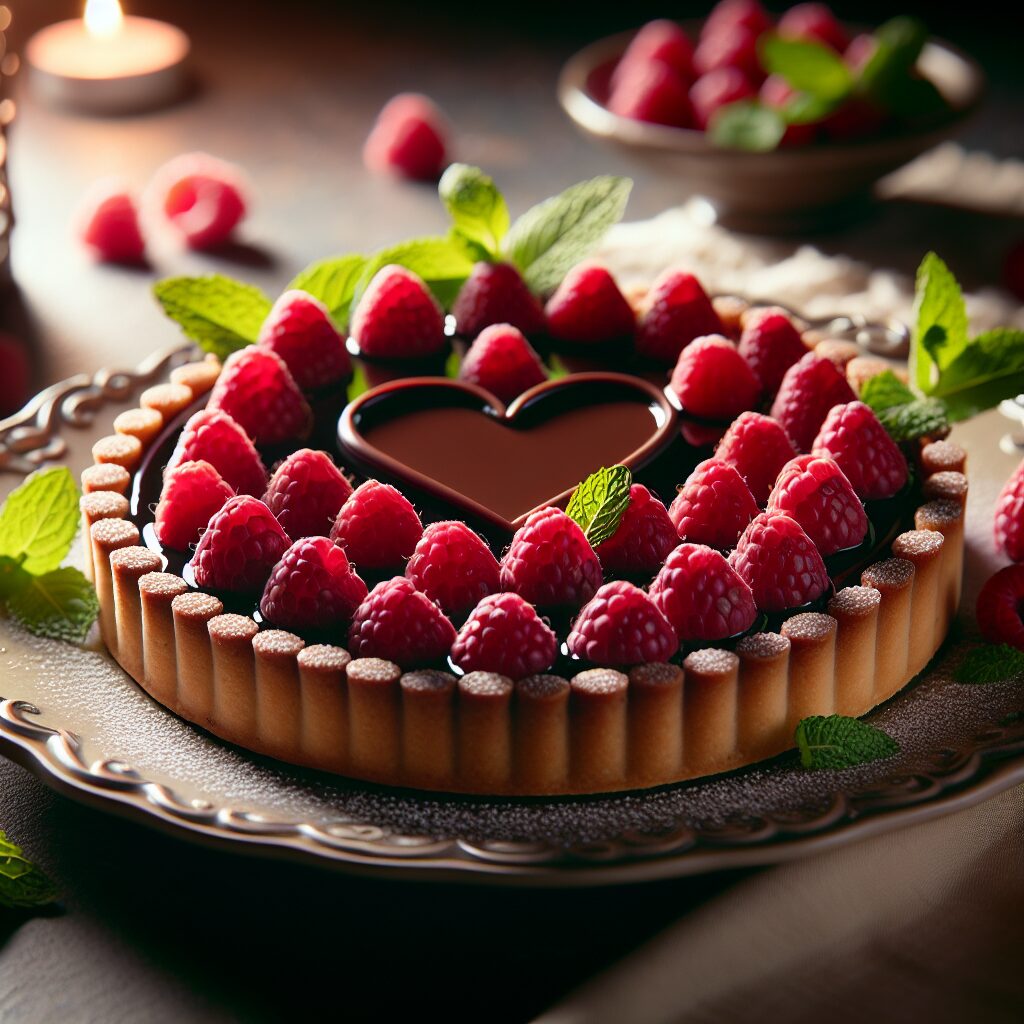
[(478, 210), (39, 520), (599, 503), (60, 604), (810, 67), (836, 741), (333, 281), (443, 263), (991, 663), (746, 125), (553, 236), (219, 314), (22, 885)]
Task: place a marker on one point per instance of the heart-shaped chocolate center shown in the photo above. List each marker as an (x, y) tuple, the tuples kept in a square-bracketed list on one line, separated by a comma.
[(459, 447)]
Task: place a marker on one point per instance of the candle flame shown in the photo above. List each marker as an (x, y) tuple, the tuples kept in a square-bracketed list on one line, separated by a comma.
[(103, 17)]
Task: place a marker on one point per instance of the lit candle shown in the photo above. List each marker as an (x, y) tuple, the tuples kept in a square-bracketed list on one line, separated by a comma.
[(108, 63)]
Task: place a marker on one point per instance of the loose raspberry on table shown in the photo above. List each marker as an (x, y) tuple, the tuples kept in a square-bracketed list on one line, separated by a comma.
[(313, 586), (809, 389), (503, 362), (758, 447), (675, 311), (397, 317), (495, 293), (505, 634), (998, 609), (712, 381), (306, 493), (453, 566), (108, 221), (651, 91), (202, 197), (192, 492), (621, 625), (400, 624), (377, 526), (213, 436), (1008, 525), (299, 330), (409, 137), (644, 537), (714, 506), (770, 344), (587, 307)]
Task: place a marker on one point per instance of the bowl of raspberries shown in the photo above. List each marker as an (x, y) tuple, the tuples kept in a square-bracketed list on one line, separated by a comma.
[(781, 122)]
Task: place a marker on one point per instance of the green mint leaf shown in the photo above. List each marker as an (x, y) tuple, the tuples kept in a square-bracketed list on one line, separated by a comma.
[(835, 741), (552, 237), (22, 885), (219, 314), (599, 503), (60, 604), (898, 44), (443, 263), (885, 390), (557, 368), (12, 577), (452, 365), (987, 370), (924, 417), (915, 99), (478, 210), (811, 67), (746, 125), (39, 520), (359, 383), (991, 663), (940, 318), (802, 108), (333, 282)]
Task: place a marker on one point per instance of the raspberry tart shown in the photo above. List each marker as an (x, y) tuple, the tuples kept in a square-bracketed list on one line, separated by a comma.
[(643, 570)]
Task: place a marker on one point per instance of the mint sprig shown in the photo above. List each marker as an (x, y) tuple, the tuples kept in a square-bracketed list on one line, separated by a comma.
[(478, 209), (333, 281), (836, 741), (990, 663), (747, 125), (443, 263), (810, 67), (22, 885), (599, 503)]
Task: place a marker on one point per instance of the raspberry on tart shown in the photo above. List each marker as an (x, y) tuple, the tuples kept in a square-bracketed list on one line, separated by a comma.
[(758, 447), (377, 526), (397, 317), (503, 362), (809, 389), (770, 344), (621, 625), (676, 310), (192, 493), (504, 634), (213, 436), (300, 331), (453, 566), (306, 493), (712, 381), (714, 506), (495, 293), (587, 307), (644, 537)]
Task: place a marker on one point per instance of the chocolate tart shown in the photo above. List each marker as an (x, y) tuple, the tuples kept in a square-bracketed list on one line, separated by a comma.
[(579, 729)]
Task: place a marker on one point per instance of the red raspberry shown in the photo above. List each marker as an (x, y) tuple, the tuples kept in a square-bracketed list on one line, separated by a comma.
[(870, 458), (503, 362), (714, 506), (645, 535), (109, 224), (300, 331), (701, 595), (776, 93), (651, 91), (676, 310), (409, 137), (214, 437), (716, 89), (729, 14), (203, 197), (242, 543), (495, 293), (257, 391), (191, 494), (758, 447), (861, 49), (815, 492), (505, 634), (771, 345), (736, 48), (808, 390), (453, 567), (550, 562), (999, 607), (780, 563), (312, 587), (397, 317), (306, 493), (588, 307), (662, 41), (621, 625), (1009, 518), (712, 381), (813, 23), (400, 624), (377, 526)]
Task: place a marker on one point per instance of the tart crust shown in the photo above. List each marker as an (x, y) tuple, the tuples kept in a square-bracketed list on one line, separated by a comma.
[(601, 731)]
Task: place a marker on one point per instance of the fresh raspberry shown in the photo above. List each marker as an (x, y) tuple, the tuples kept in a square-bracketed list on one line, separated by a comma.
[(505, 634), (701, 595), (861, 49), (651, 91), (550, 562), (712, 381), (453, 567), (109, 224), (780, 563), (588, 307), (300, 331), (662, 41), (242, 543), (312, 587), (397, 317), (495, 293), (645, 535), (306, 493), (621, 625), (714, 506), (202, 197), (1009, 517), (716, 89), (771, 345), (191, 494), (502, 361), (729, 14), (808, 390), (776, 93), (214, 437), (870, 458), (377, 526), (815, 492), (400, 624), (999, 607), (813, 23), (676, 310), (758, 447), (736, 48), (409, 137)]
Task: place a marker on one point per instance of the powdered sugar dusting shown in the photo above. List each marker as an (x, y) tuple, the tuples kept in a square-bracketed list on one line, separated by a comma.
[(809, 627), (855, 601), (763, 646), (917, 544), (890, 574)]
